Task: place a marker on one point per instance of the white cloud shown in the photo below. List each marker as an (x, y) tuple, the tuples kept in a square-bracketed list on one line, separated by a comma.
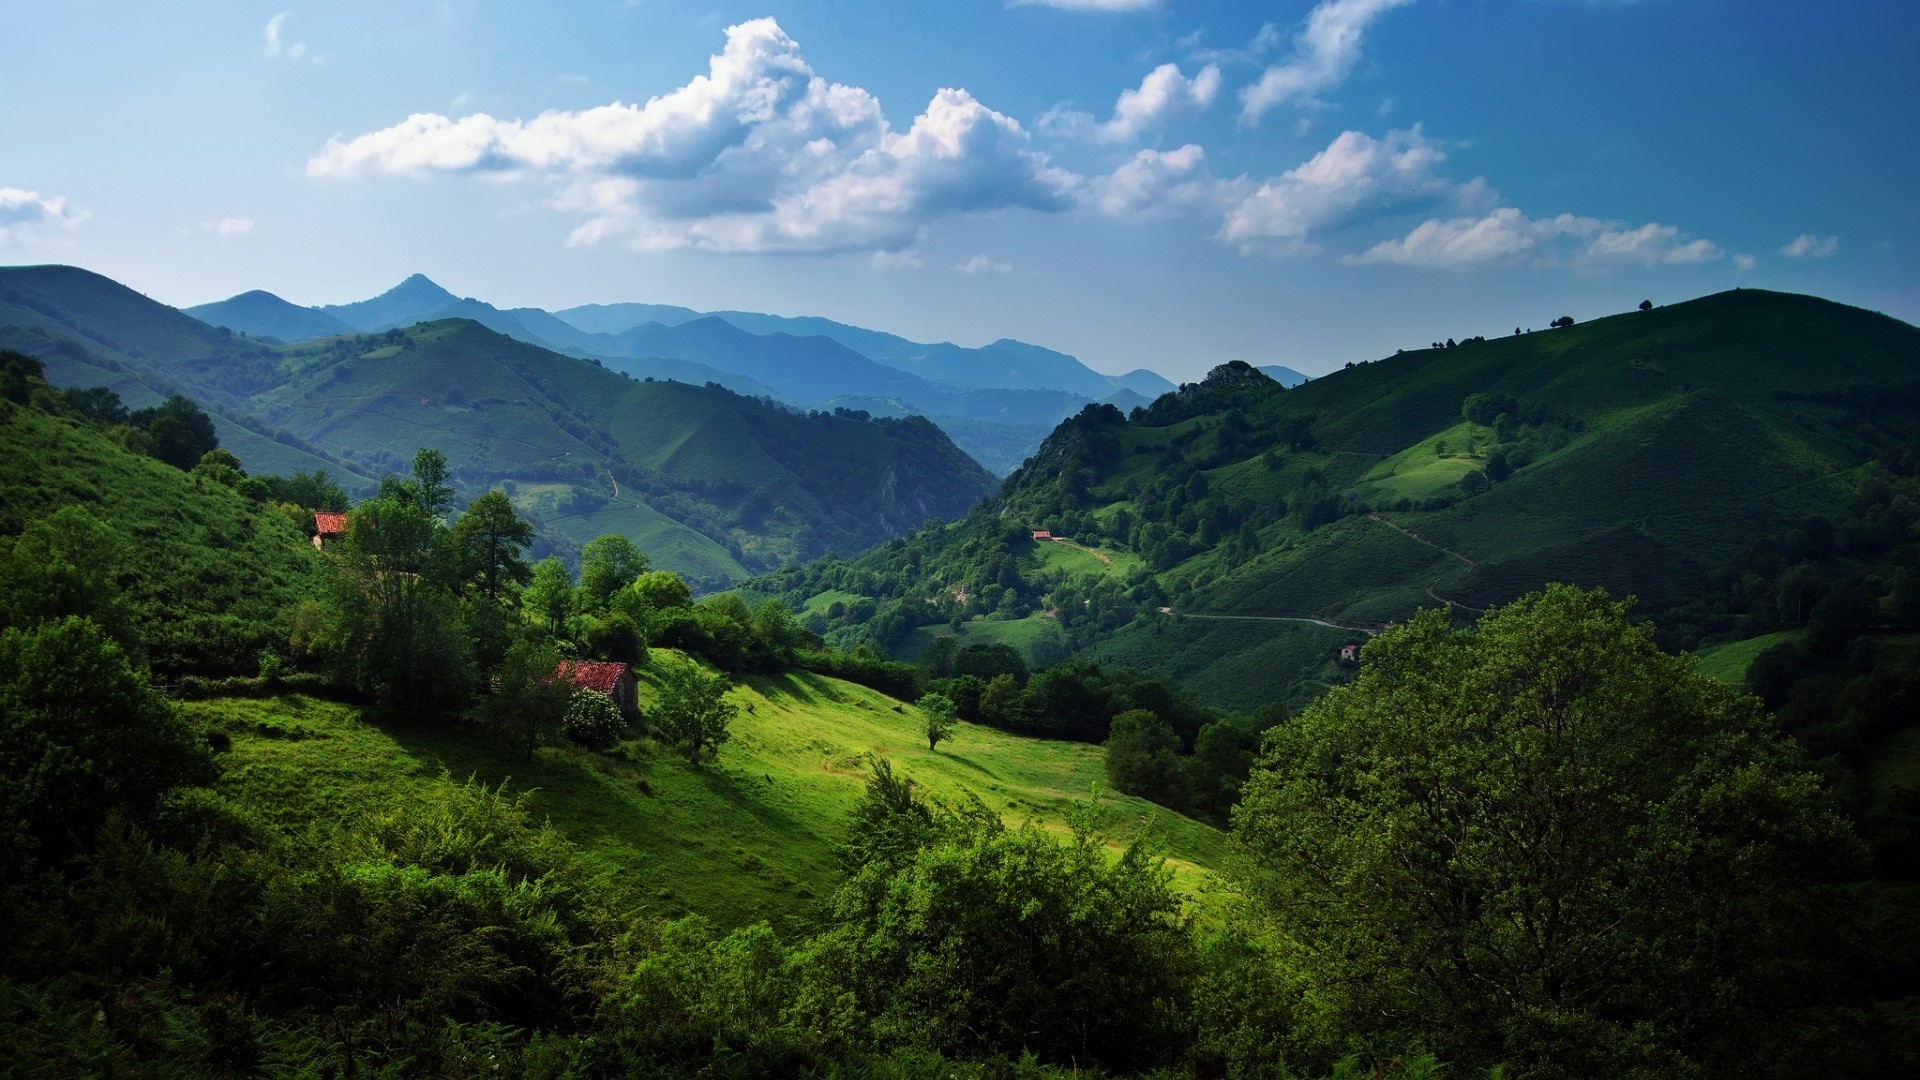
[(898, 260), (1355, 175), (1325, 51), (1507, 236), (1809, 246), (1162, 95), (27, 214), (274, 43), (757, 155), (1090, 5), (1158, 184), (225, 227), (461, 99), (272, 33), (1744, 263), (1264, 42), (980, 264)]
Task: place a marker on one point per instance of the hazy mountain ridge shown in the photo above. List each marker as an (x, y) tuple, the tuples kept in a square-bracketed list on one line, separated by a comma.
[(791, 356), (715, 483)]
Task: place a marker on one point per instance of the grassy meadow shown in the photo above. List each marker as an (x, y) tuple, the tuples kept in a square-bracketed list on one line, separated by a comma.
[(746, 837)]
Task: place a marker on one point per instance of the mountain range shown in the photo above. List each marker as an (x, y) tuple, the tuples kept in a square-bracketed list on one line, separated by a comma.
[(710, 482), (997, 401)]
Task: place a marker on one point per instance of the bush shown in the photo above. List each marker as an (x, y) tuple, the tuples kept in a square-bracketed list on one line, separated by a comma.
[(593, 720)]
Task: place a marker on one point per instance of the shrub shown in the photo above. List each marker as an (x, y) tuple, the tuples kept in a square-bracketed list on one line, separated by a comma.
[(593, 720)]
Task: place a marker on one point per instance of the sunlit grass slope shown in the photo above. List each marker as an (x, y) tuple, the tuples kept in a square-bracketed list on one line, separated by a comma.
[(749, 836)]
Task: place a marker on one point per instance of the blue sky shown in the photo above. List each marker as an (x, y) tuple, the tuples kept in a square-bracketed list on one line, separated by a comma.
[(1158, 184)]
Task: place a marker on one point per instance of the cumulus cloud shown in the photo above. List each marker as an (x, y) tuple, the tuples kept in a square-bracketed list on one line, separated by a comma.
[(26, 214), (1325, 51), (1354, 176), (1744, 263), (228, 226), (1809, 246), (980, 264), (1162, 95), (759, 154), (1165, 94), (1158, 184), (1508, 236), (898, 260)]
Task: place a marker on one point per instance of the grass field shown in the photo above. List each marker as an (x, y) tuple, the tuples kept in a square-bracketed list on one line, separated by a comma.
[(1729, 662), (1035, 636), (746, 837)]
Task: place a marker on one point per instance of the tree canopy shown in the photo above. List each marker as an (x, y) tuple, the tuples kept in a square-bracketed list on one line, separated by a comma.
[(1542, 841)]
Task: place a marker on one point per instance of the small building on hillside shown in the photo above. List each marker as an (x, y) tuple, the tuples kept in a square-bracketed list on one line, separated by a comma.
[(1349, 653), (609, 677), (329, 526), (1042, 534)]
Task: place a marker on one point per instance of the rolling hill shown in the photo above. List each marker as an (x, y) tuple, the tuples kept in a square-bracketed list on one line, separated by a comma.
[(718, 485), (996, 401), (1661, 454), (262, 314)]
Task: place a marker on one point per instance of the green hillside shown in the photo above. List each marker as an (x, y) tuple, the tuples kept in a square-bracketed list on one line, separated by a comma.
[(713, 483), (202, 572), (731, 482), (1656, 453), (748, 837)]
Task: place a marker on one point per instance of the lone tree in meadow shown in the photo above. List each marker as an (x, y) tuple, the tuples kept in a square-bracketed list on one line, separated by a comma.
[(940, 712), (693, 709), (1544, 842)]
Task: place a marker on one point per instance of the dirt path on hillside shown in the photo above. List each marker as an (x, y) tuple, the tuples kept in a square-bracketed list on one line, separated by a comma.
[(1416, 537), (1082, 547), (1271, 618)]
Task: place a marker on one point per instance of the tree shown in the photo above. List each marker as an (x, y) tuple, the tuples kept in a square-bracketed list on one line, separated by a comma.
[(550, 597), (940, 713), (1540, 841), (394, 626), (179, 431), (968, 938), (607, 564), (489, 539), (1143, 758), (693, 709), (1497, 467), (528, 704), (82, 734), (1562, 321), (430, 484), (1646, 305)]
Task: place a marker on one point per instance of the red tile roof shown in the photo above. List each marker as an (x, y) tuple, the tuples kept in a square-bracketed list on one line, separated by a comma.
[(327, 524), (601, 675)]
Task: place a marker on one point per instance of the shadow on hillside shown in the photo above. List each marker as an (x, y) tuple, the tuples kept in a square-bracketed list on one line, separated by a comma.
[(971, 764), (786, 684)]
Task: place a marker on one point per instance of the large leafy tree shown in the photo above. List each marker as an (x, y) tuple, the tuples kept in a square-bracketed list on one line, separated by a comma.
[(1542, 841), (491, 540), (607, 564), (393, 626), (82, 734), (179, 431), (961, 935), (693, 709)]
